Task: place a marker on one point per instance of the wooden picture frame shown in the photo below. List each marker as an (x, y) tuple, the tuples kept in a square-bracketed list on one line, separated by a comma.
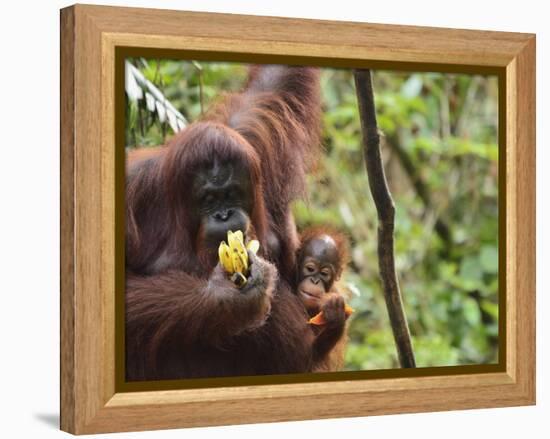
[(91, 400)]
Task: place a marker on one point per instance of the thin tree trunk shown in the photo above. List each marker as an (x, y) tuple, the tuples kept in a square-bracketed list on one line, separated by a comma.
[(386, 214)]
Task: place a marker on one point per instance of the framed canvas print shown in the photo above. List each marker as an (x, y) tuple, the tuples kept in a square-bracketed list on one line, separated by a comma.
[(270, 219)]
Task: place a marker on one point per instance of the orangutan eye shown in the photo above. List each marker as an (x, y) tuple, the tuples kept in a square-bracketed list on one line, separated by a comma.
[(310, 268)]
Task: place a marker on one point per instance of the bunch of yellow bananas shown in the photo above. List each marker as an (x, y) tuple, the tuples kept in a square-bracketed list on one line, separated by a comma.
[(234, 258)]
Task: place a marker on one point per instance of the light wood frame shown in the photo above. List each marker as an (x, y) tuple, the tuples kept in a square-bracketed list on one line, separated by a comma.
[(89, 38)]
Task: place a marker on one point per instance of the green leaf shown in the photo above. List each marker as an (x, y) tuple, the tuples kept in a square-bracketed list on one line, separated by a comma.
[(490, 308), (488, 257), (471, 311), (470, 272)]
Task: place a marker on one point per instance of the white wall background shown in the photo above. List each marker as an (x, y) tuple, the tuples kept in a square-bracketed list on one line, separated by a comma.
[(29, 219)]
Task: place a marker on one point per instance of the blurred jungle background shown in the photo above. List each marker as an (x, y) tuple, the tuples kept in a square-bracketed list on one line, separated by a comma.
[(440, 152)]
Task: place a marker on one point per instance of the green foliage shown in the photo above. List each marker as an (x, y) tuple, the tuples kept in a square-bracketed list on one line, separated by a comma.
[(445, 127), (189, 85)]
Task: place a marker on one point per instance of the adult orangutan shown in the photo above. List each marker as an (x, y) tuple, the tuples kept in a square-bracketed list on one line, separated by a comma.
[(236, 169)]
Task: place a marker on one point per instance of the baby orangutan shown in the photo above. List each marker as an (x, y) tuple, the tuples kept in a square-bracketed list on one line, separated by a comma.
[(321, 260)]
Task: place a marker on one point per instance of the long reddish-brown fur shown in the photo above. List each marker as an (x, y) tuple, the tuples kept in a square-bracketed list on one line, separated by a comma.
[(182, 318)]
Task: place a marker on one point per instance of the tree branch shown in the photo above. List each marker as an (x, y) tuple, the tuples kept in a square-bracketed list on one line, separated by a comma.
[(386, 214)]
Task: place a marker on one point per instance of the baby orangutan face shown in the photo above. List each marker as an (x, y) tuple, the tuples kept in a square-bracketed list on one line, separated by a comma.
[(319, 266)]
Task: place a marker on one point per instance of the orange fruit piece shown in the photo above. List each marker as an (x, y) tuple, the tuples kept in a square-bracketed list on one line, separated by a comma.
[(319, 319)]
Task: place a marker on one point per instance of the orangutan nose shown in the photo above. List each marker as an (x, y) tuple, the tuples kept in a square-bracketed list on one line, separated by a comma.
[(223, 215)]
